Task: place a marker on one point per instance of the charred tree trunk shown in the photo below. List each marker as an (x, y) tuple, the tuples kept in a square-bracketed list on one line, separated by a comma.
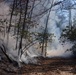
[(4, 52)]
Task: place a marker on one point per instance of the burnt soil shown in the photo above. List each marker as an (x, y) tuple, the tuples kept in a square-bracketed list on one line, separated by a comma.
[(45, 66)]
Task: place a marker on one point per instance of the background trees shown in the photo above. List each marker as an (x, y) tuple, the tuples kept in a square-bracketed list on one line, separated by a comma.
[(26, 27), (25, 15), (68, 33)]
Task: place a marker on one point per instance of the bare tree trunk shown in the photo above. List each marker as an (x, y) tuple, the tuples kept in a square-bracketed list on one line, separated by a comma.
[(10, 22), (45, 32), (19, 24), (23, 28)]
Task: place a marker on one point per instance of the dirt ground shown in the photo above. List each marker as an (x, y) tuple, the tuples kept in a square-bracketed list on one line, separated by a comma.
[(45, 66)]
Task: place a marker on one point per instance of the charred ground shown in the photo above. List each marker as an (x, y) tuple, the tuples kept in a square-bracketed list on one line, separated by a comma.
[(45, 66)]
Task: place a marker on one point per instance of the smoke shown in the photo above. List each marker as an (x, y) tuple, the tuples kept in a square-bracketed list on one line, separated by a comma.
[(60, 50), (4, 10), (28, 57), (4, 15), (55, 49), (12, 53)]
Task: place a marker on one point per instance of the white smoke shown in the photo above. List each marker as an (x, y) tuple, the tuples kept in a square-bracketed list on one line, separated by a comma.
[(4, 15), (61, 51), (4, 9), (13, 54)]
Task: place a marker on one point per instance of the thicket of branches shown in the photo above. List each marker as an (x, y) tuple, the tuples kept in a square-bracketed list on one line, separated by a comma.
[(24, 24), (68, 33)]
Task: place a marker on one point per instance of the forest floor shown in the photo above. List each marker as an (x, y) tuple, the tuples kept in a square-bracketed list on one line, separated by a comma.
[(46, 66)]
